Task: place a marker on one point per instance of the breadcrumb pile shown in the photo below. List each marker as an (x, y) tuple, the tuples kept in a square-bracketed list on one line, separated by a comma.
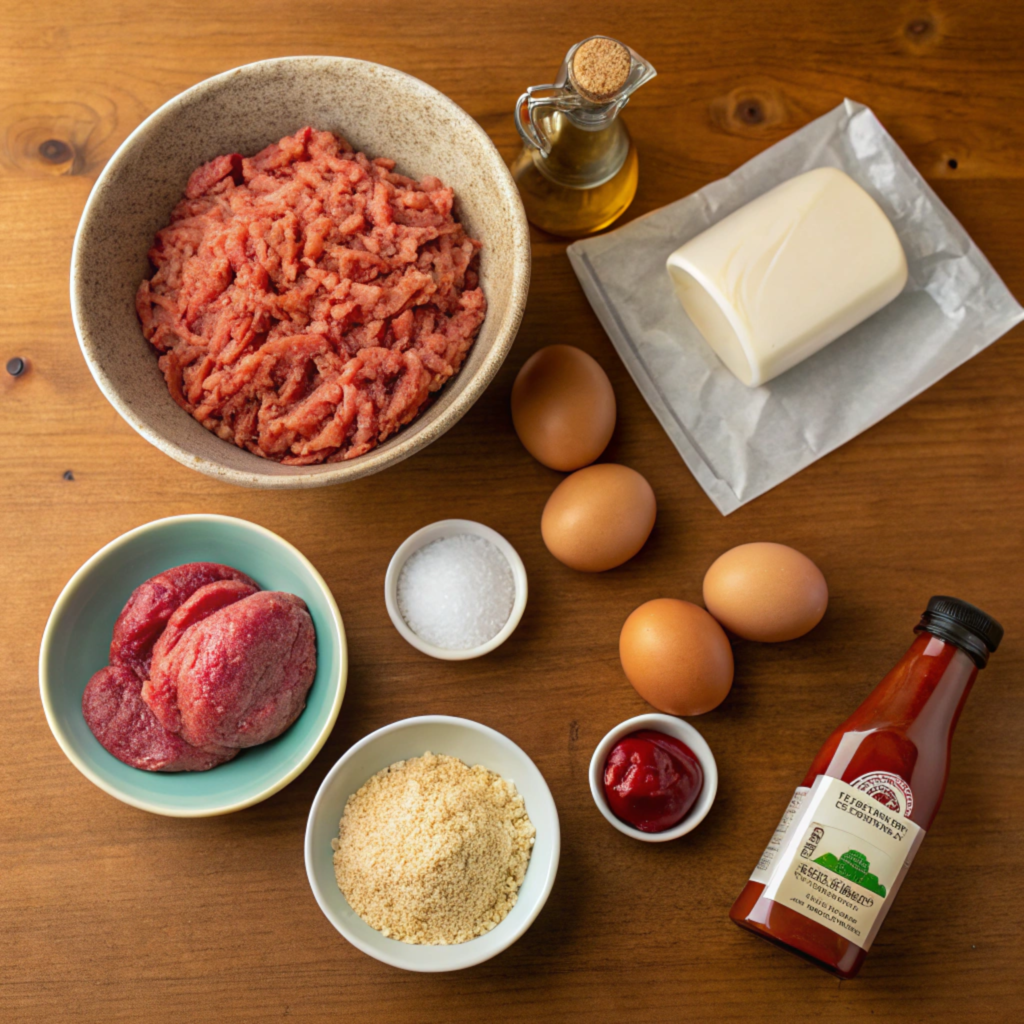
[(432, 851)]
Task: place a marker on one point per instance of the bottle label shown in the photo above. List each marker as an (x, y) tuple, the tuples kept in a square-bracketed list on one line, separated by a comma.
[(843, 858), (763, 871)]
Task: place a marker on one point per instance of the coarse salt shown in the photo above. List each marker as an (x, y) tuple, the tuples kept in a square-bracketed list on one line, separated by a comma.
[(456, 592)]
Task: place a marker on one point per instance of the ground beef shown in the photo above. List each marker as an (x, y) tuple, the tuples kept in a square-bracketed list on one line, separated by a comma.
[(308, 300)]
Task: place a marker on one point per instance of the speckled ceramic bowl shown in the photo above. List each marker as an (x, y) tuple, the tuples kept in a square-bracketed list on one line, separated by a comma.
[(378, 110)]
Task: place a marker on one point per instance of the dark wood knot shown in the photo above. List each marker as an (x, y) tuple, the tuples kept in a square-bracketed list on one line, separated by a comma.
[(750, 108), (56, 151), (750, 111), (920, 29), (54, 137)]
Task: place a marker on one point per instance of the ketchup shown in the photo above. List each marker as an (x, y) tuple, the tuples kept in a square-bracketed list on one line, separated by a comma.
[(652, 780), (829, 875)]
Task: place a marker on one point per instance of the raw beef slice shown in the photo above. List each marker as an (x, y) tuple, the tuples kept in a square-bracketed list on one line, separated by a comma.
[(162, 695), (151, 605), (124, 725), (240, 675)]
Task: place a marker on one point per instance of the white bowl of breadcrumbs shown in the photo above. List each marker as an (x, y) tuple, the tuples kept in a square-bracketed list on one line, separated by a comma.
[(433, 844)]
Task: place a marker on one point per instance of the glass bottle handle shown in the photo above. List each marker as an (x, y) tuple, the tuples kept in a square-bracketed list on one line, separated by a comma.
[(528, 128)]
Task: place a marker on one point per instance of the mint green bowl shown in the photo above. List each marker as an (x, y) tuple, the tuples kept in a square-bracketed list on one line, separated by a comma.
[(77, 638)]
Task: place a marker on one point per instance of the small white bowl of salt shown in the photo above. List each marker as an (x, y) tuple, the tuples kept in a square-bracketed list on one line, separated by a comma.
[(455, 589)]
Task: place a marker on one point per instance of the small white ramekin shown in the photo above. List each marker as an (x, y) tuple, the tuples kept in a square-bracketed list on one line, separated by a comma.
[(453, 528), (680, 730)]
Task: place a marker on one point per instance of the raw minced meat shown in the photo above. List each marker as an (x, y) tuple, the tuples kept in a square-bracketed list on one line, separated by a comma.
[(308, 300)]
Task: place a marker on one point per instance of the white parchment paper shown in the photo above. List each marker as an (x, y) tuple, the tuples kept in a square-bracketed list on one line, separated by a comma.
[(740, 442)]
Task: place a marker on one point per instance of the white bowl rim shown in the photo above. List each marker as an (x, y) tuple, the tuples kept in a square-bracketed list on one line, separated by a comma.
[(470, 960), (83, 766), (681, 730), (437, 531), (376, 459)]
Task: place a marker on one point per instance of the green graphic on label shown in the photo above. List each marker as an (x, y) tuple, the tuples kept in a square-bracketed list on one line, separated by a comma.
[(854, 866)]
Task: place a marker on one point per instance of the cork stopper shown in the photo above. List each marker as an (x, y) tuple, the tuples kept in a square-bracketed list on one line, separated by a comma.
[(600, 67)]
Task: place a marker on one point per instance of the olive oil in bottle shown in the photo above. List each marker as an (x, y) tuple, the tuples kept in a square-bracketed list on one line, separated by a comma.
[(578, 170)]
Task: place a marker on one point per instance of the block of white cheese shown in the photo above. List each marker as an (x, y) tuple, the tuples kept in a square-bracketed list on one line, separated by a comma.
[(778, 279)]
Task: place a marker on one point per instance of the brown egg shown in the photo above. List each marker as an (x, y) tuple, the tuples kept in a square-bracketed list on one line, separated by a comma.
[(676, 656), (599, 517), (563, 407), (766, 592)]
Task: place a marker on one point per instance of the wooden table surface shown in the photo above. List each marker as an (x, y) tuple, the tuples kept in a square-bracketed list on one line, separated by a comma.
[(111, 914)]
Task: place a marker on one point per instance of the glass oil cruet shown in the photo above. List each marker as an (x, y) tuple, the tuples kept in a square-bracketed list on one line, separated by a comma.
[(577, 171)]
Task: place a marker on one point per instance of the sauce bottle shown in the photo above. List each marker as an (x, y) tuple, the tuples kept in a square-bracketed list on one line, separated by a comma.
[(832, 869), (577, 171)]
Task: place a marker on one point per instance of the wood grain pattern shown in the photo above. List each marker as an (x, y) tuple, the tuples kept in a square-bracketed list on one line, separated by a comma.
[(109, 914)]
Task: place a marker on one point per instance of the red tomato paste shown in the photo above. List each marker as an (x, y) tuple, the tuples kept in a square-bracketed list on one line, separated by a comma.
[(652, 780)]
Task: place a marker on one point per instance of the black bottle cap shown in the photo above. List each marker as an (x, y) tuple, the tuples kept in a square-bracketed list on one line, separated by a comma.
[(962, 624)]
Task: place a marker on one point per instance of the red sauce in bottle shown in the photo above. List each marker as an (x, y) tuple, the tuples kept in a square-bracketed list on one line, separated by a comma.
[(893, 754), (652, 780)]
